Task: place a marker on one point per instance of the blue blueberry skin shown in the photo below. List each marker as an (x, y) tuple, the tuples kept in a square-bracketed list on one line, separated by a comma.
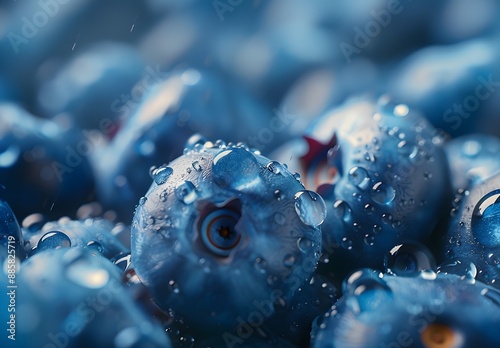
[(189, 100), (11, 238), (428, 311), (472, 159), (43, 166), (90, 87), (92, 234), (472, 232), (293, 322), (76, 299), (454, 86), (229, 230), (382, 172)]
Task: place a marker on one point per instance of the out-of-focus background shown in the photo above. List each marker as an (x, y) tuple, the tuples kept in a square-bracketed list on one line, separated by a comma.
[(90, 65)]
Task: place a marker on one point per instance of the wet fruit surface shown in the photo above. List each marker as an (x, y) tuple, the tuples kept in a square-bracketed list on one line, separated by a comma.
[(231, 173)]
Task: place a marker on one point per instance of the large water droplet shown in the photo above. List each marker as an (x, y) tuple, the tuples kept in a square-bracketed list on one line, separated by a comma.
[(367, 291), (310, 208), (407, 149), (93, 245), (409, 260), (53, 240), (342, 210), (382, 193), (236, 168), (305, 244), (185, 191), (485, 223), (462, 268), (275, 167), (161, 174), (359, 177)]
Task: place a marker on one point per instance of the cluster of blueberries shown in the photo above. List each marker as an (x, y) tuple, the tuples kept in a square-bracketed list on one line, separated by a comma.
[(249, 174)]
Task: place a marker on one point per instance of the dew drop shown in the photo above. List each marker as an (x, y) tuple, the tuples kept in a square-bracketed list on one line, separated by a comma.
[(369, 239), (310, 208), (305, 244), (367, 291), (173, 287), (278, 195), (382, 193), (462, 268), (93, 245), (407, 149), (53, 240), (236, 168), (260, 265), (346, 243), (275, 167), (359, 177), (409, 259), (161, 174), (163, 196), (343, 210), (485, 219), (185, 191)]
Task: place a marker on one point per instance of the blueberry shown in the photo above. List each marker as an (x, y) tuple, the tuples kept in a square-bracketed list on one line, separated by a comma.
[(381, 170), (92, 234), (43, 165), (96, 87), (42, 37), (472, 159), (293, 322), (76, 299), (428, 310), (472, 233), (187, 100), (229, 230), (454, 86)]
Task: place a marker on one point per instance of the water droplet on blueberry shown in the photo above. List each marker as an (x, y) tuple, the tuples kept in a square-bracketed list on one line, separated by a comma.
[(310, 208)]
